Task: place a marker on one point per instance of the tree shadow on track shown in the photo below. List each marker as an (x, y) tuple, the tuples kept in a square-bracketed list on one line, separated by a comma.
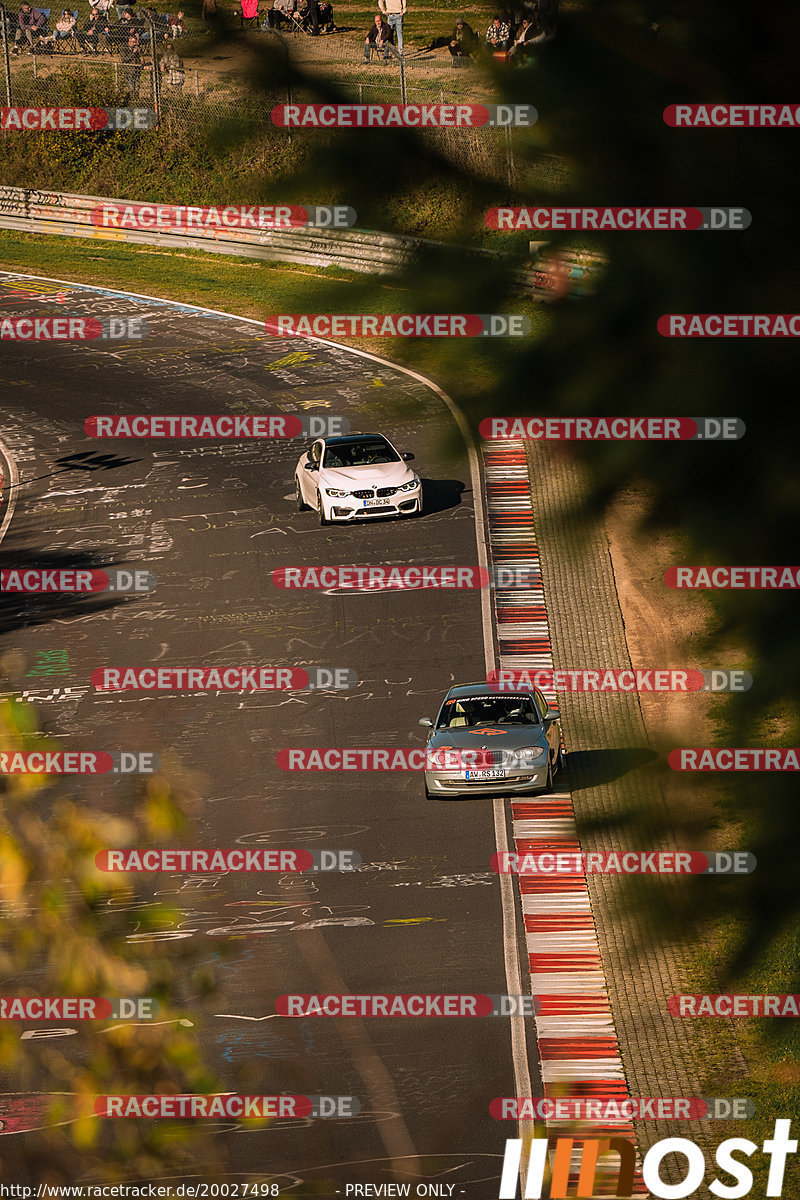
[(21, 550), (591, 768)]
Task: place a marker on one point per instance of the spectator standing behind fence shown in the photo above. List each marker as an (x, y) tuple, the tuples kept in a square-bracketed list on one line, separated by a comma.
[(394, 11), (172, 69), (498, 36), (379, 38), (30, 23), (132, 57), (177, 25)]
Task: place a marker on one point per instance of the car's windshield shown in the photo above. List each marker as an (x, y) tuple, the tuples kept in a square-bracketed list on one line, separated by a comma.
[(472, 711), (365, 452)]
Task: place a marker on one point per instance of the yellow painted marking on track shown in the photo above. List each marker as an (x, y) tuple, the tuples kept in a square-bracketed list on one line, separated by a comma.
[(43, 289), (416, 921), (289, 360)]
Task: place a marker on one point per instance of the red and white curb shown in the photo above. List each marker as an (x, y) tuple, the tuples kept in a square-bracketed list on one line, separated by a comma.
[(577, 1041)]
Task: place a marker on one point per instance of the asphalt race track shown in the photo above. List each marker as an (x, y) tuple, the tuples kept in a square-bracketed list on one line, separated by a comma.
[(213, 519)]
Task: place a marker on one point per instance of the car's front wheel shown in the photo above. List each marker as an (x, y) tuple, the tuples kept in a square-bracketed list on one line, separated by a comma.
[(298, 496), (323, 520), (548, 787)]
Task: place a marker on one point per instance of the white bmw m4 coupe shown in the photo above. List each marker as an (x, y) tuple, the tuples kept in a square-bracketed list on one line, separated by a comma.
[(356, 476)]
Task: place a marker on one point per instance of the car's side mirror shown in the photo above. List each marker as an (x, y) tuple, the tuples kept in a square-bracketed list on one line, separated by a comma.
[(553, 714), (426, 721), (310, 466), (407, 457)]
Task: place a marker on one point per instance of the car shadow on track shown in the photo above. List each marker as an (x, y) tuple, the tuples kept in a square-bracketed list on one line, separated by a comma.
[(440, 494)]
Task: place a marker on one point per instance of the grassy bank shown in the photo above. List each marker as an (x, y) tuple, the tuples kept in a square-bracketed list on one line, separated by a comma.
[(469, 370)]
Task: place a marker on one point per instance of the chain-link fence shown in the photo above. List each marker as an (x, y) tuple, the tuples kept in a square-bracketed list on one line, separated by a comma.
[(66, 74)]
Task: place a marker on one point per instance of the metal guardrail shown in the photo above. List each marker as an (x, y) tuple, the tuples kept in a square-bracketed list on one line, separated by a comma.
[(362, 251)]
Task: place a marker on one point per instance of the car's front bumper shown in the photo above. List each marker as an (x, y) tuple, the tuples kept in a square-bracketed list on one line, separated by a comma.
[(348, 508), (454, 783)]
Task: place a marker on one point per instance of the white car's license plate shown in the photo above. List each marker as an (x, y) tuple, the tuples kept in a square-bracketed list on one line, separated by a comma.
[(377, 503), (488, 774)]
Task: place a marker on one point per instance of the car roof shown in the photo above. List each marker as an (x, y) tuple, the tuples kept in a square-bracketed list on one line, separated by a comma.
[(482, 688), (350, 438)]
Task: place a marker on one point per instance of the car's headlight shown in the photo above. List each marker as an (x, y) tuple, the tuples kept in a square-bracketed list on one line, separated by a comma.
[(531, 754), (409, 487), (333, 492)]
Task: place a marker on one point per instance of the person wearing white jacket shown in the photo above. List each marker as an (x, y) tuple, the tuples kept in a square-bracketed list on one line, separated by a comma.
[(394, 11)]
